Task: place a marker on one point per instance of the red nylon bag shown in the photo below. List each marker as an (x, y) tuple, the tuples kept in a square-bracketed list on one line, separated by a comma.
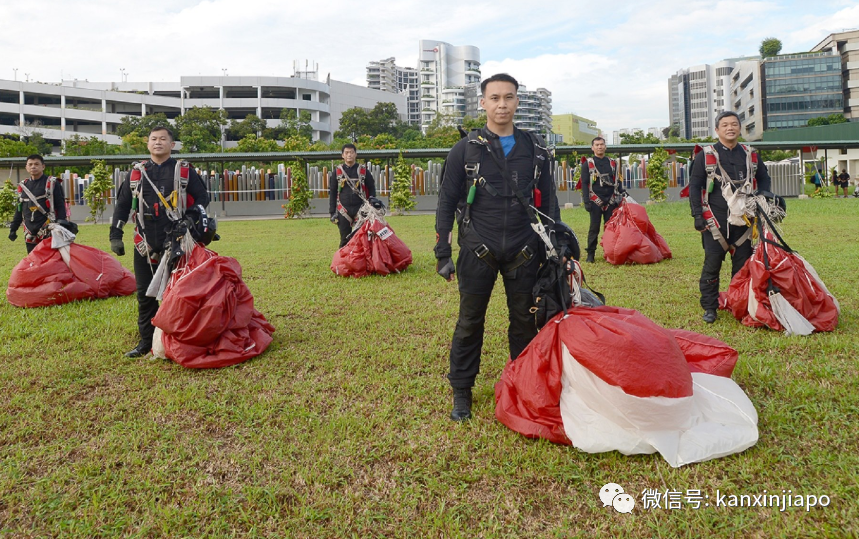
[(207, 314), (42, 278), (630, 237)]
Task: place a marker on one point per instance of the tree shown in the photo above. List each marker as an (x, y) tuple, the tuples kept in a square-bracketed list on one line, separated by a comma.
[(469, 124), (292, 125), (12, 147), (657, 179), (383, 118), (251, 125), (97, 192), (141, 125), (639, 137), (8, 201), (827, 120), (402, 199), (770, 47), (199, 129), (78, 145), (252, 144)]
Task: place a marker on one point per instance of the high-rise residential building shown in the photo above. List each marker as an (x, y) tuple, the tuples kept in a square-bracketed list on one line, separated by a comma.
[(799, 87), (574, 128), (846, 45), (697, 95), (535, 110), (445, 71), (387, 76)]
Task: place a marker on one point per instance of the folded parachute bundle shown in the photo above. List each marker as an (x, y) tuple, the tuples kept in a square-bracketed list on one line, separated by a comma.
[(373, 247), (779, 289), (630, 237), (607, 378), (58, 271), (207, 317)]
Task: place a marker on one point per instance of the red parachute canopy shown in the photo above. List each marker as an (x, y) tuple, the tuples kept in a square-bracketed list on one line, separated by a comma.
[(374, 248), (630, 237), (207, 315), (775, 275), (42, 278), (607, 378)]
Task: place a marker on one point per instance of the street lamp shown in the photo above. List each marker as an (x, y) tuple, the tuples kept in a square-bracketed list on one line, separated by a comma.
[(123, 75), (28, 76), (15, 69), (224, 71)]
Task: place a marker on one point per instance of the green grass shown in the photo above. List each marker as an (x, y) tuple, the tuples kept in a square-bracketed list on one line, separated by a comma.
[(340, 429)]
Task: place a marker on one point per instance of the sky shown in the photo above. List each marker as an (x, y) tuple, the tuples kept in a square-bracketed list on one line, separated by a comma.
[(607, 62)]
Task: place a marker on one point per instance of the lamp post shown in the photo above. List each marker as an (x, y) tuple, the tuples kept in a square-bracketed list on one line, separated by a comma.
[(28, 76), (224, 70), (15, 69), (123, 74)]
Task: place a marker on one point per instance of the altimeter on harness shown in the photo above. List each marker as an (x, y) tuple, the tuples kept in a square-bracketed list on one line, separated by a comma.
[(602, 191), (724, 179), (157, 194), (350, 185), (41, 201)]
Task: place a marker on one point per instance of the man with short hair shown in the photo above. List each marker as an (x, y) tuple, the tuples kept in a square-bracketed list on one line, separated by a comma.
[(722, 177), (495, 233), (148, 196), (843, 182), (602, 191), (349, 184), (41, 201)]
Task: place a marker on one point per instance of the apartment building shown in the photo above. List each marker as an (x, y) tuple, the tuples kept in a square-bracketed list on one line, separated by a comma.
[(445, 70), (846, 45), (386, 76)]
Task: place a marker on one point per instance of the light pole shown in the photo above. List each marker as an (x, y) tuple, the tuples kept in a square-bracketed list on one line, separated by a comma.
[(224, 71), (15, 69), (28, 76), (123, 75)]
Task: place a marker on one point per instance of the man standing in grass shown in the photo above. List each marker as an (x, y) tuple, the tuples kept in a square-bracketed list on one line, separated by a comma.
[(349, 184), (495, 234), (722, 177), (148, 194), (41, 201), (602, 191), (843, 182)]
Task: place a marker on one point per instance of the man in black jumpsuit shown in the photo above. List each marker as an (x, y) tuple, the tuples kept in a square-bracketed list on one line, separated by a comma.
[(34, 216), (607, 187), (161, 169), (500, 228), (343, 194), (732, 158)]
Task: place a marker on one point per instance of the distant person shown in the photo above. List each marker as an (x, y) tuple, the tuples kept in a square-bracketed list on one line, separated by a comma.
[(723, 170), (148, 196), (843, 182), (602, 191), (817, 180), (41, 201), (349, 185)]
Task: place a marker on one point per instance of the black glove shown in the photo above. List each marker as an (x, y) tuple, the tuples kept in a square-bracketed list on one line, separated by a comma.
[(700, 224), (13, 235), (445, 268), (589, 205), (376, 203), (334, 218), (117, 247)]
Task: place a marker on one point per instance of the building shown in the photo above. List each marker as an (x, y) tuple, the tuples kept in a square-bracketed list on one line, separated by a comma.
[(386, 76), (574, 128), (445, 71), (88, 109), (746, 96), (845, 158), (697, 95), (535, 110), (799, 87), (846, 45)]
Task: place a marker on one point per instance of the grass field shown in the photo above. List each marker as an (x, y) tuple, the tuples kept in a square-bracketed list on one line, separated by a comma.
[(341, 428)]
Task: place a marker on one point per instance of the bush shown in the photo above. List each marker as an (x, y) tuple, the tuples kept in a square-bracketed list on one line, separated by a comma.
[(97, 193), (300, 194), (402, 199), (8, 200), (657, 179)]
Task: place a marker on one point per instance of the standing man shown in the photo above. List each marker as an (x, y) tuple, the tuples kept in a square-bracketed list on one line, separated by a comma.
[(843, 182), (41, 201), (488, 176), (349, 184), (602, 191), (722, 178), (148, 194)]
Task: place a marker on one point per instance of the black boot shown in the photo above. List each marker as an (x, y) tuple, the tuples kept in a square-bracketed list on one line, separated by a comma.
[(590, 258), (141, 350), (710, 316), (461, 404)]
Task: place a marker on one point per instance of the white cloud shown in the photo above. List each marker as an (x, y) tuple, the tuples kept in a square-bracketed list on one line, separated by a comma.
[(607, 62)]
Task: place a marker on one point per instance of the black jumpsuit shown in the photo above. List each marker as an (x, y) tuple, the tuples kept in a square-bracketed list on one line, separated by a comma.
[(348, 198)]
